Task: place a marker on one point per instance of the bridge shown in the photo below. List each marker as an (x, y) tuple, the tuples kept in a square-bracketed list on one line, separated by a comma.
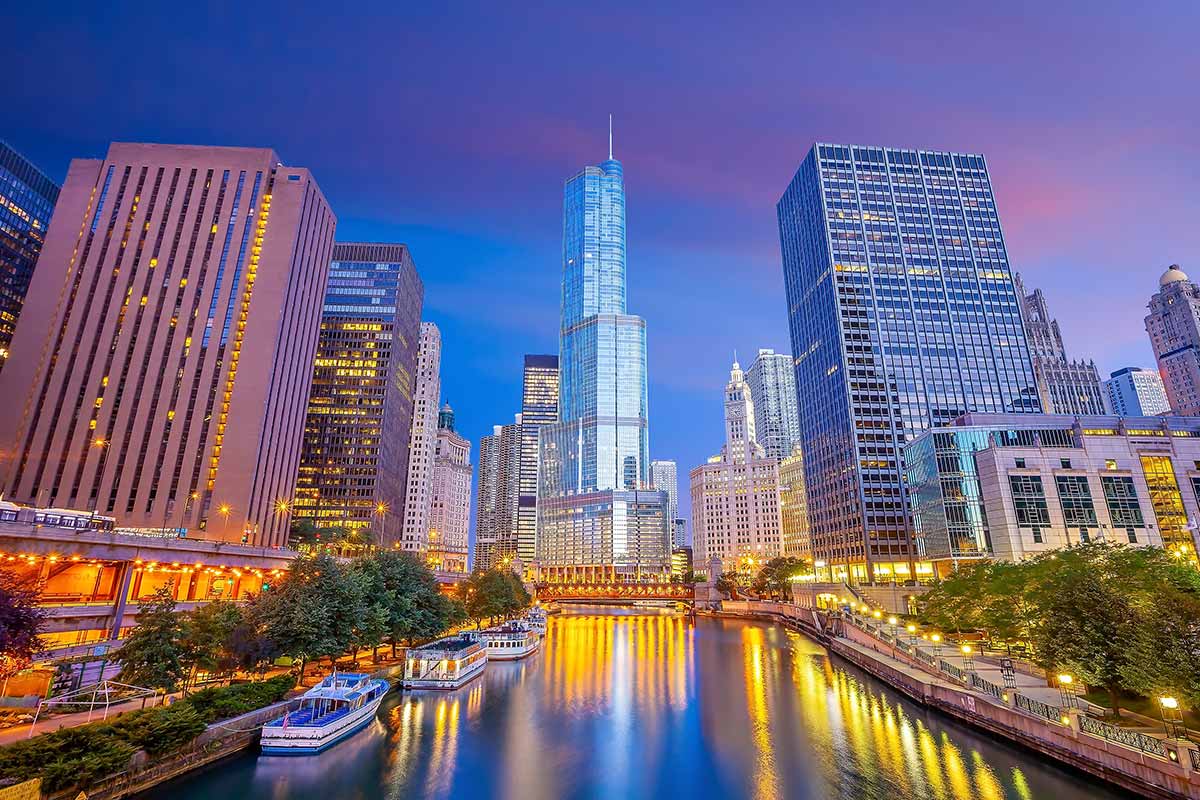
[(615, 593)]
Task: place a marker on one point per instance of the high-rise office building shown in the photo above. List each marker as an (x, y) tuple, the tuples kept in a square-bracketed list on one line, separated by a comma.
[(1174, 327), (422, 440), (539, 406), (793, 506), (735, 496), (354, 464), (664, 475), (161, 369), (497, 497), (597, 517), (903, 316), (1136, 392), (772, 381), (27, 199), (1064, 386), (450, 508)]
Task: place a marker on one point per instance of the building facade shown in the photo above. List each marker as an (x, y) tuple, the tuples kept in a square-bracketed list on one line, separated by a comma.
[(450, 507), (736, 513), (27, 199), (793, 506), (354, 464), (498, 496), (1136, 392), (597, 516), (539, 406), (161, 369), (664, 476), (1064, 386), (1010, 486), (772, 381), (418, 490), (899, 291), (1174, 328)]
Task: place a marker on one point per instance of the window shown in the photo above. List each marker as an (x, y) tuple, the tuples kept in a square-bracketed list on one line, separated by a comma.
[(1110, 463), (1065, 462), (1020, 463), (1131, 533), (1121, 497), (1076, 500), (1037, 535), (1029, 501)]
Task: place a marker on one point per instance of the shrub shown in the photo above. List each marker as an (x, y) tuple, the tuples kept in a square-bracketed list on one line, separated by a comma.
[(159, 730), (64, 758), (230, 701)]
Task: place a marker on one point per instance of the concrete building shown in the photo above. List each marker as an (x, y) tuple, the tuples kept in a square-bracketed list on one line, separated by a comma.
[(664, 476), (1064, 386), (161, 369), (735, 496), (681, 563), (793, 506), (354, 465), (679, 534), (1136, 392), (1174, 328), (598, 518), (772, 381), (898, 291), (450, 507), (418, 490), (27, 199), (498, 495), (1009, 486), (539, 406)]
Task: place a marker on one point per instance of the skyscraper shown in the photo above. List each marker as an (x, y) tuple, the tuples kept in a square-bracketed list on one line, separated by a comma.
[(793, 506), (772, 382), (1174, 327), (450, 507), (161, 369), (539, 406), (355, 460), (735, 496), (1136, 392), (1064, 386), (664, 475), (903, 315), (496, 501), (597, 516), (422, 440), (27, 199)]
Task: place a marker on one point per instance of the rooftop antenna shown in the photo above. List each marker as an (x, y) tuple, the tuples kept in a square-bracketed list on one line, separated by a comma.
[(610, 137)]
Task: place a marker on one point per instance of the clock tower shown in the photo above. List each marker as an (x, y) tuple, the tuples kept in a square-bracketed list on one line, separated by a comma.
[(740, 443)]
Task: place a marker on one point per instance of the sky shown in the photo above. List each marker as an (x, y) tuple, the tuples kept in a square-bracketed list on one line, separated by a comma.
[(452, 127)]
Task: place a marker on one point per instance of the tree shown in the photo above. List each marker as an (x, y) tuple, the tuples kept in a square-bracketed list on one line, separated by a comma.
[(21, 623), (205, 637), (494, 593), (153, 654), (775, 577)]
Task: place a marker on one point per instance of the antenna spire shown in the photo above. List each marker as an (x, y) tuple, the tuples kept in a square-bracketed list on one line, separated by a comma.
[(610, 137)]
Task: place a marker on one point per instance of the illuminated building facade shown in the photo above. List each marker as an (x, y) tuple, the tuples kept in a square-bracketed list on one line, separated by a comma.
[(1174, 328), (27, 199), (422, 440), (735, 496), (539, 406), (903, 316), (793, 506), (1011, 486), (354, 464), (1136, 392), (160, 372), (597, 516), (498, 493), (772, 382), (1064, 386), (450, 506)]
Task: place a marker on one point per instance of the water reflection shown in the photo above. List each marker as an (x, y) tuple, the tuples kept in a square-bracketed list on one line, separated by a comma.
[(652, 705)]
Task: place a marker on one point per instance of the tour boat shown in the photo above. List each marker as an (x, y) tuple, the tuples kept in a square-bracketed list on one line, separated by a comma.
[(445, 664), (511, 641), (340, 705), (535, 618)]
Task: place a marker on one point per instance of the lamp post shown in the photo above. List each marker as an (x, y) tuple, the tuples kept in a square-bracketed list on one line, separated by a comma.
[(191, 498), (936, 638), (912, 636), (224, 510), (968, 661), (1172, 717), (1066, 690)]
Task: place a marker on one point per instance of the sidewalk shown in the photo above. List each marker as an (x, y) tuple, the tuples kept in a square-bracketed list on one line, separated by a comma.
[(49, 724)]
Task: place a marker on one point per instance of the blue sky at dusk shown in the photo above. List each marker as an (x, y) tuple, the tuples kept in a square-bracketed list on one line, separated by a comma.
[(453, 127)]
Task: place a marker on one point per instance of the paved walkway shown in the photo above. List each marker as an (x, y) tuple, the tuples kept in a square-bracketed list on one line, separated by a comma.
[(53, 723)]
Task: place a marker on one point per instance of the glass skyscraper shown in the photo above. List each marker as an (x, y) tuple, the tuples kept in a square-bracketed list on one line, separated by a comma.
[(903, 316), (27, 199), (539, 406), (597, 515)]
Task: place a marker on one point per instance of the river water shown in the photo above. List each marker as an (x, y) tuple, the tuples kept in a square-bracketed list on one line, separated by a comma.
[(645, 705)]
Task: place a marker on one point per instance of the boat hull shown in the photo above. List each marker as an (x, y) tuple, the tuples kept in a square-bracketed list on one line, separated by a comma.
[(301, 741), (514, 654)]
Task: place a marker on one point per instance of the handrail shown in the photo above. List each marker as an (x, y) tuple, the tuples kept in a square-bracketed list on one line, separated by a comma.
[(1037, 707), (1134, 739)]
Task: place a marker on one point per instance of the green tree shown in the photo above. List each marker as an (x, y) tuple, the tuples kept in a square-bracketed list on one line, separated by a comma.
[(205, 638), (21, 623), (153, 654), (775, 577), (492, 594)]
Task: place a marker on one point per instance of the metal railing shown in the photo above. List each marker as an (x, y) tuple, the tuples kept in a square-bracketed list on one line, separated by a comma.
[(1037, 707), (948, 668), (984, 685), (1134, 739), (1195, 754)]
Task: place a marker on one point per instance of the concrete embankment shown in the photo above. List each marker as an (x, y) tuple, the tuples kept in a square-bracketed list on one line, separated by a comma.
[(1174, 776)]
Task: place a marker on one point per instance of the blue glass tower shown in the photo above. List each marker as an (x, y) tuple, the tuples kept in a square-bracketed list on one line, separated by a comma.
[(903, 316), (596, 515)]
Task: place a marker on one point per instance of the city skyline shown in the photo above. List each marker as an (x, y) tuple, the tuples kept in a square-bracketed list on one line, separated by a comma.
[(491, 267)]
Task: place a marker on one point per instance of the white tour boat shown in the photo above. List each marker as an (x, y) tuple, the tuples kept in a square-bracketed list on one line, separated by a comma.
[(535, 618), (445, 664), (340, 705), (511, 641)]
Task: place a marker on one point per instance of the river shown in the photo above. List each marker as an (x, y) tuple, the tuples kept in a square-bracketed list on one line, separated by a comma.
[(644, 705)]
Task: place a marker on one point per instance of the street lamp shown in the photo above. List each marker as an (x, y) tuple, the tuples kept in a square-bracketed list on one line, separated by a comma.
[(912, 635), (1172, 717), (936, 638), (224, 509), (968, 661), (1066, 690)]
